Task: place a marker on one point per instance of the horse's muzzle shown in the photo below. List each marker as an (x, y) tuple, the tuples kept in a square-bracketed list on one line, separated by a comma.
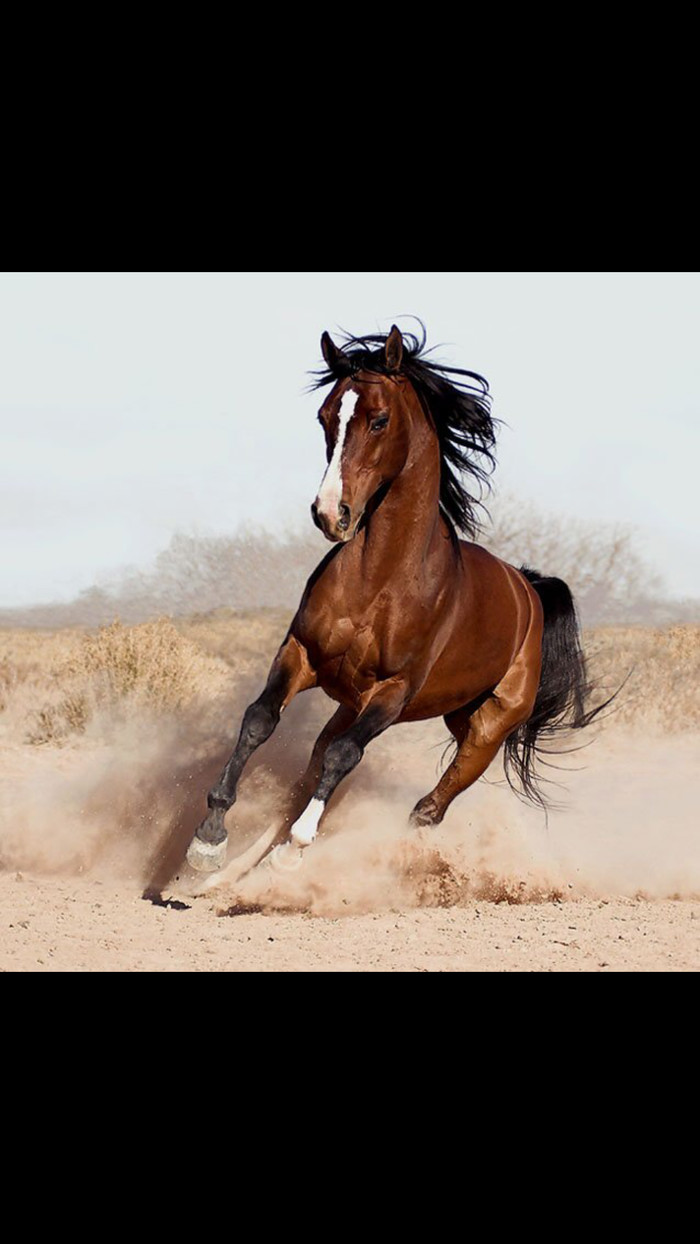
[(336, 529)]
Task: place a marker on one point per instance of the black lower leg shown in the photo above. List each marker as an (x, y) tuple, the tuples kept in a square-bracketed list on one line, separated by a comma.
[(348, 749), (290, 673), (340, 758), (259, 722)]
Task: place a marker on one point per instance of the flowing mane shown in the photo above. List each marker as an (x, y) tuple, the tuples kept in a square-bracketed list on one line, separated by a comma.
[(460, 413)]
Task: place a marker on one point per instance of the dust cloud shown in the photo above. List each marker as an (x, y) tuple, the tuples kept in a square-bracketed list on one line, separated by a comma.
[(629, 827), (121, 790)]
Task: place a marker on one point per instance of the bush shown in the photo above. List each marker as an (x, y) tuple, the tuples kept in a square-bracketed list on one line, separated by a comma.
[(123, 668)]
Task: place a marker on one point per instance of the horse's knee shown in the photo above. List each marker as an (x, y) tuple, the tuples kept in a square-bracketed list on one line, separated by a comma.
[(341, 756), (259, 721)]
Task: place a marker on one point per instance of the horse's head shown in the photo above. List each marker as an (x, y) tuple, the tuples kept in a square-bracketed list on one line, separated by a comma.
[(366, 424)]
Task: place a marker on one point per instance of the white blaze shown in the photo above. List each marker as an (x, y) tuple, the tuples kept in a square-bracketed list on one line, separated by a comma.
[(330, 494), (304, 830)]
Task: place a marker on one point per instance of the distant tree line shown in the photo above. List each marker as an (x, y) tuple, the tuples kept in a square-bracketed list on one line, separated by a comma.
[(252, 569)]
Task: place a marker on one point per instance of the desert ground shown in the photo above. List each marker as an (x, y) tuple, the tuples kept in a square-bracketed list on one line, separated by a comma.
[(109, 738)]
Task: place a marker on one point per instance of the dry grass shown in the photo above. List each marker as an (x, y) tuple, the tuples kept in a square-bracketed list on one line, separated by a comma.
[(246, 640), (151, 664), (662, 668), (9, 677), (54, 723), (55, 685)]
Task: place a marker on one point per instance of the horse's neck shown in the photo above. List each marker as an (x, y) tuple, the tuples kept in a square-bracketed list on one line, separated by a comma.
[(407, 523)]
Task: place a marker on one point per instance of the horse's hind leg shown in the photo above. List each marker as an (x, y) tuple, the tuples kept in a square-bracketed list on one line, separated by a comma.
[(290, 674), (479, 736), (431, 808)]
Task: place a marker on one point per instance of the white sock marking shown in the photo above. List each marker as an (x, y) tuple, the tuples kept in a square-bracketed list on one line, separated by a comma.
[(330, 494), (304, 830)]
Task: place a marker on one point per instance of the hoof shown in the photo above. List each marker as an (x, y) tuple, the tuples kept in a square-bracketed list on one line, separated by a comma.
[(286, 858), (206, 857), (424, 814)]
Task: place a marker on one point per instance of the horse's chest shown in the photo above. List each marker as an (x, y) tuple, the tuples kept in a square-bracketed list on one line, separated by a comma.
[(347, 658)]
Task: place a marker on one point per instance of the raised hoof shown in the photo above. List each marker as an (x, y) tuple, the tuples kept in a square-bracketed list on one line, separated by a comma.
[(286, 858), (206, 857), (423, 815)]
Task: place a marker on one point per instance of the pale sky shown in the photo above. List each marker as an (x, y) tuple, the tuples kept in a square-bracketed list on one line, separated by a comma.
[(135, 405)]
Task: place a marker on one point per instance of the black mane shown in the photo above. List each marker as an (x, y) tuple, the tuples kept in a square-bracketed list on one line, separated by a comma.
[(460, 413)]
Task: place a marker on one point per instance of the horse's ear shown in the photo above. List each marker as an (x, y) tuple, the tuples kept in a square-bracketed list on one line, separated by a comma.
[(393, 349), (330, 352)]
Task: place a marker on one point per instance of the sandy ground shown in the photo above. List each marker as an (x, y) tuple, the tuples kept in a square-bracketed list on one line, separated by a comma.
[(73, 925), (612, 883)]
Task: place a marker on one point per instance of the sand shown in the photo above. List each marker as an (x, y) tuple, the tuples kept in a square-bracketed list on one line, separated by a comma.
[(109, 741), (50, 925), (610, 883)]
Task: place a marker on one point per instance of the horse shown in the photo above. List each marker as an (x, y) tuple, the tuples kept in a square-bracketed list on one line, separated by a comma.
[(407, 617)]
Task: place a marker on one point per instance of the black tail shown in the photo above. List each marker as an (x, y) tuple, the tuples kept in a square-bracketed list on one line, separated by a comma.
[(564, 692)]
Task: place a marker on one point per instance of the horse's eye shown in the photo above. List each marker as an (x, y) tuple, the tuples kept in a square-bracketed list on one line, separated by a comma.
[(377, 424)]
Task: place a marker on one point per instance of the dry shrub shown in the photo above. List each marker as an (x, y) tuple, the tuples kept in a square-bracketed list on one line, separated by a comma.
[(150, 664), (662, 668), (55, 686), (54, 723), (123, 670)]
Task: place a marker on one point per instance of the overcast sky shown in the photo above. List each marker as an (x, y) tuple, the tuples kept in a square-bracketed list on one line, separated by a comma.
[(134, 405)]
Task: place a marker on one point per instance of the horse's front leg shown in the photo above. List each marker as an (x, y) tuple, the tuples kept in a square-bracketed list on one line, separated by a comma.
[(290, 674), (286, 854), (381, 707)]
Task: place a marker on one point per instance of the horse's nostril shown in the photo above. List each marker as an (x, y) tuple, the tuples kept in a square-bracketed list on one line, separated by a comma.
[(344, 519), (314, 514)]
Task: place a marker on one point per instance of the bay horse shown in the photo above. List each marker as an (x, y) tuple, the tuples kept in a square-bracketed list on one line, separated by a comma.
[(403, 620)]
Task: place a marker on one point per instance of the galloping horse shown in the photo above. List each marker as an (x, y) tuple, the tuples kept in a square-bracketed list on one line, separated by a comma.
[(403, 620)]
